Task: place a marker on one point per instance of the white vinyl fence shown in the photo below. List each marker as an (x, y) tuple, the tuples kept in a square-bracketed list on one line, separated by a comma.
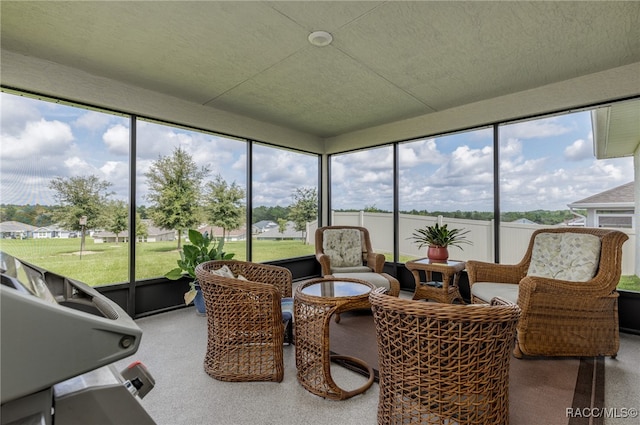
[(514, 238)]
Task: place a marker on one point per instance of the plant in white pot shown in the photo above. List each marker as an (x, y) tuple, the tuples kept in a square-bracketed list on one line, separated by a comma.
[(199, 250), (438, 238)]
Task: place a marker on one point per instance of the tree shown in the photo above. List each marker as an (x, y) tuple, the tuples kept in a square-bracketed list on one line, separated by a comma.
[(141, 227), (269, 213), (116, 218), (223, 205), (174, 190), (80, 197), (304, 209), (142, 211), (8, 213), (282, 226), (373, 209)]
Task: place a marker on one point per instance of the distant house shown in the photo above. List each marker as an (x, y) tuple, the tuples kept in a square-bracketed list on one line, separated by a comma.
[(263, 226), (576, 222), (524, 221), (611, 208), (154, 234), (16, 230), (53, 232), (274, 233), (230, 235)]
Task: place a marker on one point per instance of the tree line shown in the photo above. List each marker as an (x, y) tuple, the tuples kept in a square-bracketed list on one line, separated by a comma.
[(42, 215), (179, 194), (544, 217)]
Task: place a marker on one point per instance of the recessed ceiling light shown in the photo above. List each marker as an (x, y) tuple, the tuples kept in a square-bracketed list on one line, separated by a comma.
[(320, 38)]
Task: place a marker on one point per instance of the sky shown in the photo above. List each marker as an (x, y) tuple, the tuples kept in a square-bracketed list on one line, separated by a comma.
[(544, 164), (43, 140)]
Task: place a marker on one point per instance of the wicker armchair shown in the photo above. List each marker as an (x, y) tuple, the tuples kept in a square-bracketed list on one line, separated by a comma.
[(443, 363), (244, 317), (364, 264), (560, 317)]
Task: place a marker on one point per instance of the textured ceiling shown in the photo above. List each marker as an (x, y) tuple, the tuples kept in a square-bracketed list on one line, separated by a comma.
[(388, 60)]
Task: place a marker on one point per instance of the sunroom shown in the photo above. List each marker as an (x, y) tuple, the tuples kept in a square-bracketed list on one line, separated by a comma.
[(389, 115)]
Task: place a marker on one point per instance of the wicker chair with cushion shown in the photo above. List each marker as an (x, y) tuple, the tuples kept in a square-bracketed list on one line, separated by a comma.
[(566, 288), (443, 363), (245, 319), (345, 251)]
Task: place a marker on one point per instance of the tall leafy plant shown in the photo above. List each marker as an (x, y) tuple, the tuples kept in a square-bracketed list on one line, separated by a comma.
[(200, 249)]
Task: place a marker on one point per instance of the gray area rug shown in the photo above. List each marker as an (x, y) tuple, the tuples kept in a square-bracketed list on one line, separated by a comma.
[(542, 390)]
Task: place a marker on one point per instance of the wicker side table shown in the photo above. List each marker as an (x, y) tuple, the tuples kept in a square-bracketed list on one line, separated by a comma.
[(444, 292), (315, 302)]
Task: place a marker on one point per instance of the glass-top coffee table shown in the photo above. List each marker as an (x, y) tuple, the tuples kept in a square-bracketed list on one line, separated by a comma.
[(315, 302)]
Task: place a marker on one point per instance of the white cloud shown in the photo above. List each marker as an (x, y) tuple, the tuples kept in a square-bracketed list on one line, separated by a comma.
[(421, 152), (534, 129), (578, 150), (111, 168), (38, 138), (117, 173), (94, 121), (618, 170), (278, 173), (510, 148), (117, 140), (79, 167), (16, 112), (464, 159), (154, 140)]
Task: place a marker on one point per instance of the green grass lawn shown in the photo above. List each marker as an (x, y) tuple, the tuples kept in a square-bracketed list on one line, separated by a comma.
[(629, 283), (106, 263)]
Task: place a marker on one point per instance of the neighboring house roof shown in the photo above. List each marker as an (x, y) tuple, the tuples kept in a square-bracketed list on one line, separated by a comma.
[(618, 197), (16, 226), (524, 221), (151, 231), (577, 221), (44, 229), (265, 224), (217, 231), (289, 233)]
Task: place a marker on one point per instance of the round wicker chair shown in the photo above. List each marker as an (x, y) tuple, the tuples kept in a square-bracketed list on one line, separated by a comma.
[(244, 317), (442, 363)]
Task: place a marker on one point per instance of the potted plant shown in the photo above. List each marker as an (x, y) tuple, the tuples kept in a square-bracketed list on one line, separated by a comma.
[(438, 239), (200, 249)]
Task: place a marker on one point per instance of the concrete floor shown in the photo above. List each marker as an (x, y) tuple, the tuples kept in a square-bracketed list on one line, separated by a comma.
[(173, 347)]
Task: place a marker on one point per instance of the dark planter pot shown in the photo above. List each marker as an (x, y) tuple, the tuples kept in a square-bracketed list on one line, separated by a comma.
[(198, 301), (438, 253)]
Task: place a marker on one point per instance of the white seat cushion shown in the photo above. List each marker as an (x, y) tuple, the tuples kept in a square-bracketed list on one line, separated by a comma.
[(487, 290), (354, 269), (377, 279)]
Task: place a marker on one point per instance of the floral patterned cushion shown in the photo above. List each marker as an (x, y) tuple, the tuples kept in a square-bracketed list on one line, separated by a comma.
[(343, 246), (565, 256)]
